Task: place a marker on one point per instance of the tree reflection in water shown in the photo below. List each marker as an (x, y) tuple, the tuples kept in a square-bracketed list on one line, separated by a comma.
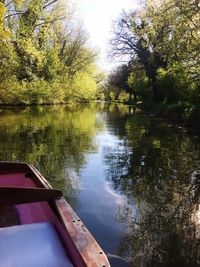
[(158, 170), (54, 139)]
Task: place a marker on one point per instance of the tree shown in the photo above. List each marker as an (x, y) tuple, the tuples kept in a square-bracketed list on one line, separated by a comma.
[(42, 46), (129, 41), (118, 80), (169, 42), (175, 35)]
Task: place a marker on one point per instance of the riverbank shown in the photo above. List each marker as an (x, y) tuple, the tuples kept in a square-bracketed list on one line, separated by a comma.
[(183, 114), (179, 113), (41, 92)]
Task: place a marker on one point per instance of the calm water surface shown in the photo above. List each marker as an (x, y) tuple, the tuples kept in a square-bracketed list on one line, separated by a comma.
[(134, 180)]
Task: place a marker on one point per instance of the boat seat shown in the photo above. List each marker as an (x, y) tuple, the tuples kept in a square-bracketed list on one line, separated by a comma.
[(32, 245)]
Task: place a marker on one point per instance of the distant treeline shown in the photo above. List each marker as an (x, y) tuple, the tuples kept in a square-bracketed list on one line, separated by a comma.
[(161, 44), (43, 54)]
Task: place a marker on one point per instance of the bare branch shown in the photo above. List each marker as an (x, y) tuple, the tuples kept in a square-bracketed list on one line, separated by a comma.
[(14, 14), (49, 22), (50, 3), (8, 3)]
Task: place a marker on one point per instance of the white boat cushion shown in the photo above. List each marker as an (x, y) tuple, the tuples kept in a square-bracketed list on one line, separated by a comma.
[(32, 245)]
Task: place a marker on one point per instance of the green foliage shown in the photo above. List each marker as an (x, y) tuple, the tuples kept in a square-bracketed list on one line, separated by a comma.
[(163, 52), (100, 95), (53, 67), (123, 97), (112, 95), (139, 82), (167, 85), (43, 54), (37, 92), (83, 87)]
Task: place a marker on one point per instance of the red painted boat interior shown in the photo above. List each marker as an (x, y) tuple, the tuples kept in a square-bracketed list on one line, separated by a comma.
[(38, 212), (16, 179), (31, 212)]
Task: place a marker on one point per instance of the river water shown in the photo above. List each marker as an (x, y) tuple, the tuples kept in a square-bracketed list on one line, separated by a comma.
[(133, 179)]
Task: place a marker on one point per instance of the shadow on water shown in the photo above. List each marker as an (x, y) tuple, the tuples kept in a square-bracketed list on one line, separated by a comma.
[(129, 176)]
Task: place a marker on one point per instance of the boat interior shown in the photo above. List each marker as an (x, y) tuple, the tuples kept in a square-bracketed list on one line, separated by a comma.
[(31, 228)]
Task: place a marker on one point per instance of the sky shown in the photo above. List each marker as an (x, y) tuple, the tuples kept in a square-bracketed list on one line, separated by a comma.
[(97, 16)]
